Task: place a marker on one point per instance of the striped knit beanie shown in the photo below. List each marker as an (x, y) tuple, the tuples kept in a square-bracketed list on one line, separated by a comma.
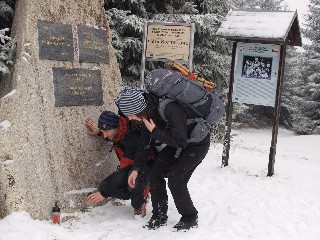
[(131, 101)]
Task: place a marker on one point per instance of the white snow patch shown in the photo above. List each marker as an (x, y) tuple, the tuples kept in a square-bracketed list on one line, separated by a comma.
[(99, 163), (24, 59), (72, 203), (4, 126), (8, 162), (80, 191)]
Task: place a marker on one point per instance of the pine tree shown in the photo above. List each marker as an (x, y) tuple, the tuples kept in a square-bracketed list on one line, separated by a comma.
[(313, 22), (6, 13), (7, 45), (7, 48), (291, 91), (268, 5), (309, 122)]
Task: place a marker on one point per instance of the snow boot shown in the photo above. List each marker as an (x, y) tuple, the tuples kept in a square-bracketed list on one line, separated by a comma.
[(155, 223), (185, 225)]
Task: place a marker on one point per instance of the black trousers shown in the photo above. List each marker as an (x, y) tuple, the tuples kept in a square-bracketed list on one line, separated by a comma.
[(116, 186), (178, 171)]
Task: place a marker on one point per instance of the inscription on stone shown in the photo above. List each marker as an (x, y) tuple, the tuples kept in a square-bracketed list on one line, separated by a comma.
[(93, 45), (55, 41), (77, 87)]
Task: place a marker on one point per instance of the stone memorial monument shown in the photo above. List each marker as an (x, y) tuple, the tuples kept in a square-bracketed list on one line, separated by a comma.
[(65, 71)]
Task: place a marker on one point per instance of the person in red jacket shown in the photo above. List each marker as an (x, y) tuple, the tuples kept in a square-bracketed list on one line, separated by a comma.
[(116, 128)]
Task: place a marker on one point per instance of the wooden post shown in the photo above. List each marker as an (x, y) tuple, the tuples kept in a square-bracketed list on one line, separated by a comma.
[(277, 112), (226, 143)]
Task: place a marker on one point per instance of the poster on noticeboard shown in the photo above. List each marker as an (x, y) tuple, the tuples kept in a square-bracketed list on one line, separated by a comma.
[(256, 73), (169, 41)]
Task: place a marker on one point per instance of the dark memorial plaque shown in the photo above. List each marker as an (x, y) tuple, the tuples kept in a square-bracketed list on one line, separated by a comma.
[(93, 45), (55, 41), (77, 87)]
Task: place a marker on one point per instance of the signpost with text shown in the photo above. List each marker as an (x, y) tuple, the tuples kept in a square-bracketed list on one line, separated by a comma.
[(167, 41)]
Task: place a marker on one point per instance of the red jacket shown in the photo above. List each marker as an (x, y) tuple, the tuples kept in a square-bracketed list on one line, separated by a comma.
[(126, 143), (119, 144)]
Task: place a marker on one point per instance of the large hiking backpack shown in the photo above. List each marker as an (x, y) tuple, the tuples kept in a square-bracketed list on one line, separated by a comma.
[(173, 86)]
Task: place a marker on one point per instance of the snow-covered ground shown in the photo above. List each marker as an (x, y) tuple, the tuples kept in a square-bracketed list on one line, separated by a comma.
[(235, 202)]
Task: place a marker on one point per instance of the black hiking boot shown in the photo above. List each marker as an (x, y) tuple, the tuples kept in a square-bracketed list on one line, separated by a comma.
[(185, 226), (155, 223)]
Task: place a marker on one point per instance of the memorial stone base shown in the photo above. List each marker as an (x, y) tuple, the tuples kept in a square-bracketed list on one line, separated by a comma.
[(46, 155)]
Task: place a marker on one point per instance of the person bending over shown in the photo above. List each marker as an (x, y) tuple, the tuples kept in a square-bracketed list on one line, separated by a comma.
[(176, 161), (116, 128)]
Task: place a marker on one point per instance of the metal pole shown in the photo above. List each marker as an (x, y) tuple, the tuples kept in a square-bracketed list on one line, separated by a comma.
[(277, 112), (143, 58), (226, 143), (191, 46)]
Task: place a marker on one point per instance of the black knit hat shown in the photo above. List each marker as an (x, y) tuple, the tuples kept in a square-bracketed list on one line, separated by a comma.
[(108, 120), (131, 101)]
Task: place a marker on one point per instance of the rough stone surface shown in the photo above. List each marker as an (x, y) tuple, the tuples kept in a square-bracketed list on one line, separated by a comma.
[(46, 154)]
